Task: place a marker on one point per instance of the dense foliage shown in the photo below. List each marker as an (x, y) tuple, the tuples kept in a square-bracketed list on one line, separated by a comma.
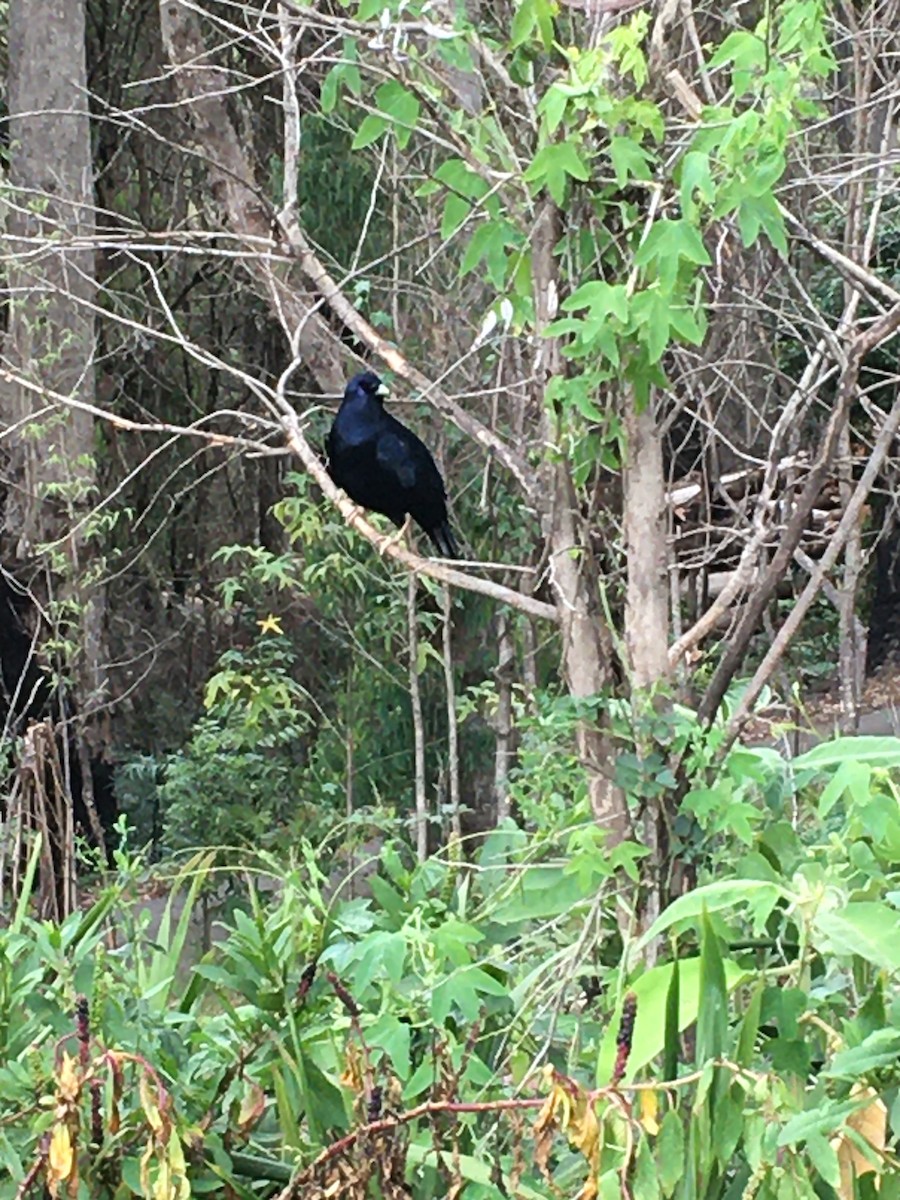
[(461, 1027)]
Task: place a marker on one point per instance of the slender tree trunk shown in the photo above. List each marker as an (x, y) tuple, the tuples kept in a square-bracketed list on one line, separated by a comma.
[(647, 618), (587, 649), (503, 721)]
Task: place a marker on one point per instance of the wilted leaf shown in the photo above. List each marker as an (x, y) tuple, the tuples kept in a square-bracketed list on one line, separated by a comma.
[(149, 1105), (568, 1108), (252, 1107), (68, 1084), (870, 1122), (61, 1161), (352, 1076)]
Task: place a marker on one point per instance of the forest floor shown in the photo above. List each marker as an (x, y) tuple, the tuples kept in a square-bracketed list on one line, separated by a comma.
[(797, 727)]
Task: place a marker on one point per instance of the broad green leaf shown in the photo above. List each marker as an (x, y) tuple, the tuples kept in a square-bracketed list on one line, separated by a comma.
[(824, 1119), (743, 48), (323, 1094), (479, 1172), (670, 1164), (876, 751), (823, 1157), (867, 928), (401, 106), (602, 299), (760, 894), (645, 1184), (696, 177), (464, 988), (392, 1035), (880, 1049), (370, 131), (553, 107), (760, 214), (629, 159), (455, 212), (687, 325), (652, 989), (459, 177), (667, 244), (672, 1043), (749, 1028), (553, 165)]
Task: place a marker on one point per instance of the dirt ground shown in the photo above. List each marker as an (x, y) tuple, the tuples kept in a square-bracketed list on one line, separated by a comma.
[(794, 730)]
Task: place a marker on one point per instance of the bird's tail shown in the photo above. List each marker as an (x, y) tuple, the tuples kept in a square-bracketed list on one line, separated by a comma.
[(442, 536)]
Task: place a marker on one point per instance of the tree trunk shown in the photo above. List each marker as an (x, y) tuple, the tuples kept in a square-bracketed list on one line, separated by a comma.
[(587, 649), (51, 470)]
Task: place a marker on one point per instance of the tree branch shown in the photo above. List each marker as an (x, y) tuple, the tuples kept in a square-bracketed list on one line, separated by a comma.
[(860, 346)]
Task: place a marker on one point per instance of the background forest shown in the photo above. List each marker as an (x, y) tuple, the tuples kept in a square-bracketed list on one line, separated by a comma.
[(329, 868)]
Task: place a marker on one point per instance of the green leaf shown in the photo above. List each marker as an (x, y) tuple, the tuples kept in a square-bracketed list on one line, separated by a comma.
[(864, 928), (602, 299), (370, 131), (464, 988), (645, 1183), (323, 1094), (393, 1037), (523, 22), (553, 107), (749, 1029), (760, 214), (696, 177), (533, 15), (652, 989), (459, 177), (553, 165), (766, 171), (403, 108), (743, 48), (729, 893), (880, 1049), (455, 212), (825, 1119), (667, 244), (488, 243), (712, 1018), (672, 1046), (728, 1125), (670, 1164), (687, 325), (876, 751), (824, 1158), (651, 311), (629, 159)]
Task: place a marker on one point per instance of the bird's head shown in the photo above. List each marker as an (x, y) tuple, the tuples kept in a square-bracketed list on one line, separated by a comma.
[(368, 385)]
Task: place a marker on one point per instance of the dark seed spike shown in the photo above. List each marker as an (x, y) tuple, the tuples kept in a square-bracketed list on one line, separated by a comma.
[(624, 1037)]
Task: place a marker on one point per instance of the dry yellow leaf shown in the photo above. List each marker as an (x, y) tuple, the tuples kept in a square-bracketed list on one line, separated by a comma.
[(149, 1105), (870, 1123), (60, 1158), (352, 1077), (649, 1105), (68, 1084)]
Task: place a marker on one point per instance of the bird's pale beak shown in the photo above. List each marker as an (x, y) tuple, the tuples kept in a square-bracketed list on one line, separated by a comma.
[(383, 390)]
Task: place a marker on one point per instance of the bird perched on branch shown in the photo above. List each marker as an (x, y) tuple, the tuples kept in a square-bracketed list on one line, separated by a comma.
[(383, 466)]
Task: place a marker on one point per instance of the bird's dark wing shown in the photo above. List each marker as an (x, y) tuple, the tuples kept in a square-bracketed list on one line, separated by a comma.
[(396, 456)]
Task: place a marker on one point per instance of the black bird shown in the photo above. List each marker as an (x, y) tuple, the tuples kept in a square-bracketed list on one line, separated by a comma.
[(383, 466)]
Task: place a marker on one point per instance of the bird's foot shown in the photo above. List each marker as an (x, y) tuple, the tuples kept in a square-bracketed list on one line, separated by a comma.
[(398, 537)]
